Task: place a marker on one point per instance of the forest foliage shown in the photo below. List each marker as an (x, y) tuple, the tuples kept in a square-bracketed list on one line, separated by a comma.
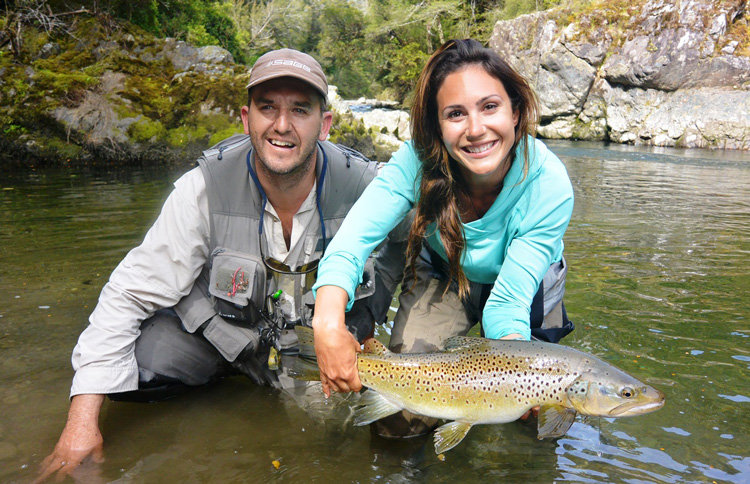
[(367, 47), (87, 80)]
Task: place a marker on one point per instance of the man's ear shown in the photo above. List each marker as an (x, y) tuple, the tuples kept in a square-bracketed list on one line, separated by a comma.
[(325, 126), (244, 114)]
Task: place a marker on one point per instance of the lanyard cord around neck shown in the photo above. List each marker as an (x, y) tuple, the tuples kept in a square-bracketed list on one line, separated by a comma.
[(318, 190)]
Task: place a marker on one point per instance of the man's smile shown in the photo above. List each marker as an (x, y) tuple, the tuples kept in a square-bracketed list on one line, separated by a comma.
[(282, 144)]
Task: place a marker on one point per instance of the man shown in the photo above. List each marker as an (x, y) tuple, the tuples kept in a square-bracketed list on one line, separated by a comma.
[(232, 255)]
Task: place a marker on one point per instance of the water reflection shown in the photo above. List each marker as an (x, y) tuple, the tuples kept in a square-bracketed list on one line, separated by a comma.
[(658, 286)]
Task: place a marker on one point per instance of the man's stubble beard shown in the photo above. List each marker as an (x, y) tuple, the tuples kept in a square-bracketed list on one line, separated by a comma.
[(292, 175)]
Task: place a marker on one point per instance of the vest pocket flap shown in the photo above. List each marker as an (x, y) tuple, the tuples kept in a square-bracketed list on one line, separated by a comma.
[(237, 278)]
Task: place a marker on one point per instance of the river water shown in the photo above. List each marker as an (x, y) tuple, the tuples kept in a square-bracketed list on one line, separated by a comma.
[(658, 250)]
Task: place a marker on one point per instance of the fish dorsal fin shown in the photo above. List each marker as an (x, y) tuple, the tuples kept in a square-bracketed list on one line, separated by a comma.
[(374, 347), (554, 420), (455, 343), (450, 435)]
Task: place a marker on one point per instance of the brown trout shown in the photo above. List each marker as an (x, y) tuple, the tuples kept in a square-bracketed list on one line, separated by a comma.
[(483, 381)]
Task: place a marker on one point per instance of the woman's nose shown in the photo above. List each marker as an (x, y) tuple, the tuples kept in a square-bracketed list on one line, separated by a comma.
[(475, 126)]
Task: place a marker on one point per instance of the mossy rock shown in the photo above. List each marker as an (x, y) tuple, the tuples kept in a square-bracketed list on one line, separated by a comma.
[(147, 131), (160, 115)]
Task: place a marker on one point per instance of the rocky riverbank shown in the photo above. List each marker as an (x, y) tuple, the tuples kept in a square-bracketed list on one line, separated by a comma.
[(106, 93), (654, 72), (112, 94), (649, 72)]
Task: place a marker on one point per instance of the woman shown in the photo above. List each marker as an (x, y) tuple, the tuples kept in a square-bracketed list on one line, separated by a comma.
[(491, 207)]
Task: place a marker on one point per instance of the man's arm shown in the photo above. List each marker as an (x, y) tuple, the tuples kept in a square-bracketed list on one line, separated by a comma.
[(152, 276), (80, 438), (146, 280)]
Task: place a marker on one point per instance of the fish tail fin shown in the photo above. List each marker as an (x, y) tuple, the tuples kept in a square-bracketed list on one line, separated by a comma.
[(306, 341), (306, 364)]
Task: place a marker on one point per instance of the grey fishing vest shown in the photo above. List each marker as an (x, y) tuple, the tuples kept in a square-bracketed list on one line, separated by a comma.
[(230, 294)]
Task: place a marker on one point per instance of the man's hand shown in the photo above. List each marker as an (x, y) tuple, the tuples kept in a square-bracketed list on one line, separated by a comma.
[(534, 411), (80, 439), (335, 346)]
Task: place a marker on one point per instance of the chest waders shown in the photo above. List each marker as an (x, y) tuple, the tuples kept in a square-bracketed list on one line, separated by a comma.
[(234, 301)]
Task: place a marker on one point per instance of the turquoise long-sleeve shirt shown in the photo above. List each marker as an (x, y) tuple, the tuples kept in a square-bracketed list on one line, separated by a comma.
[(511, 246)]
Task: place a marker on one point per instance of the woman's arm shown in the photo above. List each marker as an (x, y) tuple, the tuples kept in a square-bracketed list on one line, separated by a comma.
[(384, 203), (544, 217)]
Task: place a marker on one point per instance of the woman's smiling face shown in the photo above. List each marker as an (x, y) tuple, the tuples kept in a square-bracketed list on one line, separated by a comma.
[(477, 124)]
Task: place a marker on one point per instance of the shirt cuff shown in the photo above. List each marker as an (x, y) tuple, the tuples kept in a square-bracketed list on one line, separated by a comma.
[(337, 271), (104, 380), (508, 326)]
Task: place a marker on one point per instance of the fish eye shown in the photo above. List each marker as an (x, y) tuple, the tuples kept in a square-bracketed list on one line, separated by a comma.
[(627, 392)]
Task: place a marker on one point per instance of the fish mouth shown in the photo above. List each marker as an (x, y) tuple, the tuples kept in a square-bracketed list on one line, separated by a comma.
[(629, 409)]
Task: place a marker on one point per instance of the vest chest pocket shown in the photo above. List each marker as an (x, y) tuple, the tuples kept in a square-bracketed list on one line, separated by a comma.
[(238, 283)]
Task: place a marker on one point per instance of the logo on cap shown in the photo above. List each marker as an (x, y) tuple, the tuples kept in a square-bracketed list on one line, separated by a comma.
[(288, 62)]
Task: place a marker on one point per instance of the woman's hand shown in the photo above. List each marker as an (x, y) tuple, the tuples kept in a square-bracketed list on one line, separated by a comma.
[(335, 346)]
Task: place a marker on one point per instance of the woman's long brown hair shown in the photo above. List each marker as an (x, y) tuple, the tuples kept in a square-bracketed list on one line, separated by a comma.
[(441, 182)]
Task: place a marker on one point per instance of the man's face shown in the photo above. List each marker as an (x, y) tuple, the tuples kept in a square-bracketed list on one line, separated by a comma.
[(285, 121)]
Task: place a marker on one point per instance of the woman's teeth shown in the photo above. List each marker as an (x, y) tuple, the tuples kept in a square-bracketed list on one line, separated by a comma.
[(479, 149)]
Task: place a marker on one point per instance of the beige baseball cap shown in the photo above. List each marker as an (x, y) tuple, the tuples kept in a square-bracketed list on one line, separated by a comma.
[(289, 63)]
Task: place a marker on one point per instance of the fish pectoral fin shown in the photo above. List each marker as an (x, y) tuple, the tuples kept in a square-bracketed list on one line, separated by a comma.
[(554, 420), (450, 435), (372, 406)]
